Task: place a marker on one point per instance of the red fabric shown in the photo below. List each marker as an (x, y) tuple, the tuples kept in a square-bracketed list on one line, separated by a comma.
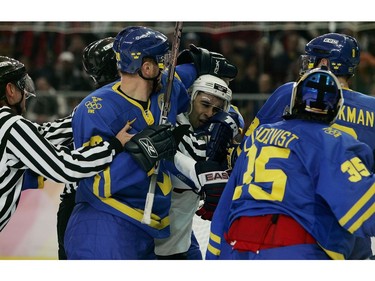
[(264, 232)]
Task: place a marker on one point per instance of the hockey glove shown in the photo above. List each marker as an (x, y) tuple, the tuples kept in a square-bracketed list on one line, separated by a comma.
[(213, 179), (207, 62), (232, 155), (154, 143), (222, 128)]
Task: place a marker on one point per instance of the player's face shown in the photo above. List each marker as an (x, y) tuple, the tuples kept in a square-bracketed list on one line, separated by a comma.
[(204, 106), (308, 62), (324, 62)]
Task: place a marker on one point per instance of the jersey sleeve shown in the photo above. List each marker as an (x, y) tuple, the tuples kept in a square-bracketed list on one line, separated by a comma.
[(58, 163), (352, 193), (187, 74), (272, 111), (57, 132), (218, 223)]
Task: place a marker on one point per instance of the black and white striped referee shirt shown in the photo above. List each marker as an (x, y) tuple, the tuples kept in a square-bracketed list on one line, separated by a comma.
[(59, 132), (22, 146), (190, 147)]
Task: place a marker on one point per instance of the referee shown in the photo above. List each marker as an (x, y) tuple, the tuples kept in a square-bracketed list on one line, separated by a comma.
[(23, 147)]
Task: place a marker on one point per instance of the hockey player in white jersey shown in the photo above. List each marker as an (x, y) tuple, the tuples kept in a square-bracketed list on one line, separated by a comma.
[(211, 117)]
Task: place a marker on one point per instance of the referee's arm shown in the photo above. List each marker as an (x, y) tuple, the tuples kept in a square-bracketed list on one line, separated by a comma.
[(58, 163), (57, 132)]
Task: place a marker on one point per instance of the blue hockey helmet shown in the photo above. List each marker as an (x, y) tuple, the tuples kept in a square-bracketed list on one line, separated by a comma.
[(316, 96), (341, 50), (99, 61), (135, 43)]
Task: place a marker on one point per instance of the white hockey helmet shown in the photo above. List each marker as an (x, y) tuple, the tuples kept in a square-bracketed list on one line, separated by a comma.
[(211, 85)]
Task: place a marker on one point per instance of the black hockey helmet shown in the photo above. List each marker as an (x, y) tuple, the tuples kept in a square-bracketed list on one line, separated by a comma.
[(99, 61), (11, 70)]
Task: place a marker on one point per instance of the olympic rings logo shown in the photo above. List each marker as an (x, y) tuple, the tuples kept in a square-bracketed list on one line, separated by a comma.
[(93, 105)]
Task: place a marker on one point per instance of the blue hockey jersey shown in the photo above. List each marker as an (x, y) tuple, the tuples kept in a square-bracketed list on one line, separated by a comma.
[(121, 189), (357, 118), (315, 174)]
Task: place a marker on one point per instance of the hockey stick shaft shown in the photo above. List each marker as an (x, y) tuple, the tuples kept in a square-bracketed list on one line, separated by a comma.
[(146, 219)]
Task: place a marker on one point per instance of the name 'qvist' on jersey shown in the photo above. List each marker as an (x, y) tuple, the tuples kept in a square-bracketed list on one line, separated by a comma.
[(273, 136)]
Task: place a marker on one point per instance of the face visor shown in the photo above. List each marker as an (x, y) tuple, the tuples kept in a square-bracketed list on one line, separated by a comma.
[(26, 85)]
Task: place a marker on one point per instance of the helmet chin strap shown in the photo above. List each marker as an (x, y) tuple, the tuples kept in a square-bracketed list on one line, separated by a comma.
[(153, 79)]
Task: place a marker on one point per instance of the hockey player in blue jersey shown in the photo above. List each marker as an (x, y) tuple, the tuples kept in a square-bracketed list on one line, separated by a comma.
[(99, 62), (106, 221), (300, 188), (341, 54)]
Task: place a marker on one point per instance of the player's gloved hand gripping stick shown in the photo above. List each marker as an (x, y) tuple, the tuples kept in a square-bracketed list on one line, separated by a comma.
[(163, 119)]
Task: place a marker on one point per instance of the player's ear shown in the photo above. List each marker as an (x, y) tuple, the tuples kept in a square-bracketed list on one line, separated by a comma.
[(148, 66), (10, 91)]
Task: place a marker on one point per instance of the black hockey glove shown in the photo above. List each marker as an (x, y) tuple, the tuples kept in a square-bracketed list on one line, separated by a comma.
[(154, 143), (222, 128), (213, 179), (207, 62)]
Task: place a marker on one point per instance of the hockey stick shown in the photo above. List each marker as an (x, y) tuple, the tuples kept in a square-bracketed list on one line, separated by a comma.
[(146, 219)]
